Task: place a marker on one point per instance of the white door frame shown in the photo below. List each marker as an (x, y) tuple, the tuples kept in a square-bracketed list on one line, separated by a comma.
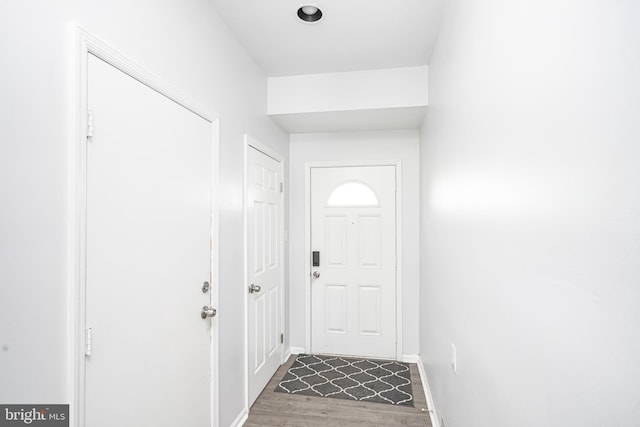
[(249, 141), (82, 45), (307, 242)]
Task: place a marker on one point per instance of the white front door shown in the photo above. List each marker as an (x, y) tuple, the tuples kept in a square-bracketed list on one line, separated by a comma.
[(147, 256), (264, 264), (353, 243)]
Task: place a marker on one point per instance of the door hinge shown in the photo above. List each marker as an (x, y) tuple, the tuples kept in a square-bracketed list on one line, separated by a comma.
[(87, 341), (282, 187), (281, 338), (89, 123)]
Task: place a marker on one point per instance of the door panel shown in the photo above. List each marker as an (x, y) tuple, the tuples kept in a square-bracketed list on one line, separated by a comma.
[(148, 254), (353, 226), (370, 313), (336, 309), (336, 240), (264, 242), (369, 241)]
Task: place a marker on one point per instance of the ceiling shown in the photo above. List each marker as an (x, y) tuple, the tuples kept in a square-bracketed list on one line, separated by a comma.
[(352, 34)]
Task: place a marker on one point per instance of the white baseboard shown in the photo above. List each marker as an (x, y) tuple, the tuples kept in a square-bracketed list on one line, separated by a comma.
[(286, 356), (240, 419), (411, 358), (435, 421), (297, 350)]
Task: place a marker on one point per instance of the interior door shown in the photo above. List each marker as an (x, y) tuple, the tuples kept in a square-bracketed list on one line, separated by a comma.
[(353, 241), (148, 360), (264, 263)]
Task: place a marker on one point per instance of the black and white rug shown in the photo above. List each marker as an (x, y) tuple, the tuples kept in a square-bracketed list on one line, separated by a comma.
[(367, 380)]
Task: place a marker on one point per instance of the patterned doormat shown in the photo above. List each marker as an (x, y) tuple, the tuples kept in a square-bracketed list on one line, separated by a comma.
[(383, 381)]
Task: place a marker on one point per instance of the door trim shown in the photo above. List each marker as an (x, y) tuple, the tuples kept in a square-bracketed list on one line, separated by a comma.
[(250, 142), (307, 242), (81, 45)]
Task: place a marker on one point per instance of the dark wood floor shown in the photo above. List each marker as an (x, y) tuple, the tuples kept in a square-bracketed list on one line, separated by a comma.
[(286, 410)]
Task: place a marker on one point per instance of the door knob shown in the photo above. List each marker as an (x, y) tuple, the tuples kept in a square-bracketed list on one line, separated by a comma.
[(208, 312), (254, 288), (316, 274)]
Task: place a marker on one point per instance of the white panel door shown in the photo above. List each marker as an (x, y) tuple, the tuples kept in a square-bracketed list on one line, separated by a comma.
[(148, 254), (353, 287), (264, 216)]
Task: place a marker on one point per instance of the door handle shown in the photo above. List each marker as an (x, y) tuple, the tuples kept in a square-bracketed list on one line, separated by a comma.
[(316, 274), (208, 312), (254, 288)]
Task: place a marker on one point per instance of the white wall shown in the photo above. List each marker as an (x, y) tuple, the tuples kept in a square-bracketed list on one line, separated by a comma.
[(530, 224), (186, 44), (348, 146), (386, 99), (354, 90)]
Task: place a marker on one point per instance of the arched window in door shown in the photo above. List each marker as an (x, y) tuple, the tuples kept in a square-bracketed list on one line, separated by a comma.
[(352, 193)]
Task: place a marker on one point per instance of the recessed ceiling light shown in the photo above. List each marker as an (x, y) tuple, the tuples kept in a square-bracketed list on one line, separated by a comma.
[(309, 13)]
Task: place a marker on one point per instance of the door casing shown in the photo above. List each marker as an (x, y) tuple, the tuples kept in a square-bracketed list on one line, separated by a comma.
[(307, 242), (82, 44)]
